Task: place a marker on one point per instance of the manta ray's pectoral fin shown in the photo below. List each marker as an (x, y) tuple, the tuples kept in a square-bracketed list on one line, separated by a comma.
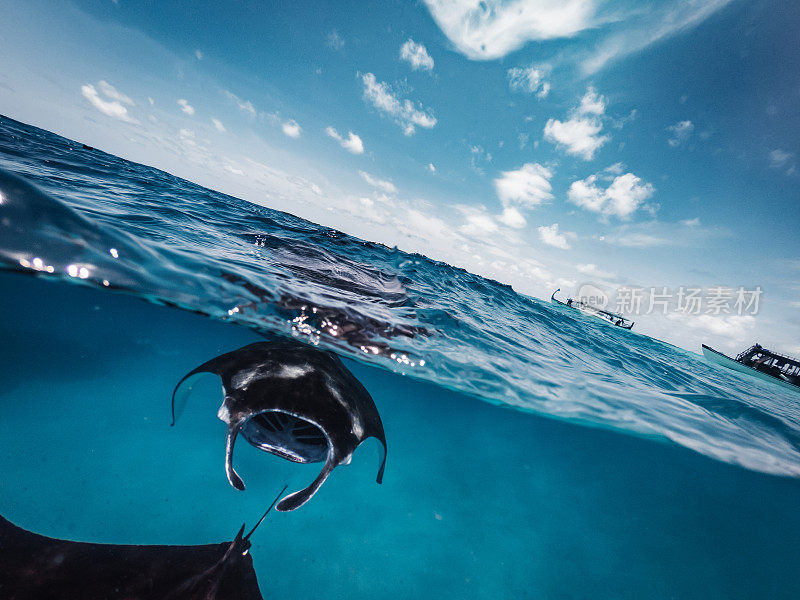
[(297, 499), (184, 387), (233, 476), (206, 584)]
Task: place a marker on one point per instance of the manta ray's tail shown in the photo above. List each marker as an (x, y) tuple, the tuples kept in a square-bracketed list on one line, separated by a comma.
[(375, 429), (382, 466)]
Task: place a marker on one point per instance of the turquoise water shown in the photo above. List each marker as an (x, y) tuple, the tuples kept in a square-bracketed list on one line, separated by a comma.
[(684, 486)]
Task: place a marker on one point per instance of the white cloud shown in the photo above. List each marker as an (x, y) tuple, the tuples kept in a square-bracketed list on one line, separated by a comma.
[(244, 105), (529, 80), (291, 128), (185, 106), (523, 188), (526, 187), (111, 92), (199, 54), (551, 236), (592, 104), (591, 270), (233, 170), (512, 217), (382, 184), (489, 29), (110, 107), (479, 224), (352, 143), (646, 27), (478, 157), (334, 40), (619, 123), (416, 55), (680, 131), (779, 158), (405, 113), (637, 240), (650, 233), (621, 199), (734, 327), (580, 135), (626, 194), (218, 125), (586, 194)]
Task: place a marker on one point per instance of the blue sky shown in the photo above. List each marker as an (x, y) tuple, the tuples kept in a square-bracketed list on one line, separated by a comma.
[(541, 143)]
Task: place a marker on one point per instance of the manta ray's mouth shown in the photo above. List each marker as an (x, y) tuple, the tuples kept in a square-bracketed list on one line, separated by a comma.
[(287, 436)]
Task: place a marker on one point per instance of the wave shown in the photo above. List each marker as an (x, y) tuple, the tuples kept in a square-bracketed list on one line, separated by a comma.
[(94, 219)]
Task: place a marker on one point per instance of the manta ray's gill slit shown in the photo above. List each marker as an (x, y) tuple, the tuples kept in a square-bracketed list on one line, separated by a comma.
[(308, 431), (269, 420), (276, 430)]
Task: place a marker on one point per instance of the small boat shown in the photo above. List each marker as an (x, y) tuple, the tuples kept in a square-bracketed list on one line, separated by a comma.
[(759, 362), (602, 314)]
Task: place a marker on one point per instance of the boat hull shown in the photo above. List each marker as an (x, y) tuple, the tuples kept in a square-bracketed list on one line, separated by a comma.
[(718, 358), (588, 313)]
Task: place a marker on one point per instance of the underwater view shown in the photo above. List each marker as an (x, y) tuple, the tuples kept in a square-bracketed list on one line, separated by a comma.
[(530, 452)]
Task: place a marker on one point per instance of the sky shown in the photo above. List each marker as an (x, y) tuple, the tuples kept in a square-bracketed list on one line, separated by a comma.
[(629, 151)]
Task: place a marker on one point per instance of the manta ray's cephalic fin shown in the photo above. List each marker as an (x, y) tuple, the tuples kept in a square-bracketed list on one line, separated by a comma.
[(297, 499), (233, 476)]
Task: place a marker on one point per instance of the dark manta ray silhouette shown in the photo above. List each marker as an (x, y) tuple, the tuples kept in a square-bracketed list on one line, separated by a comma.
[(293, 401), (36, 567)]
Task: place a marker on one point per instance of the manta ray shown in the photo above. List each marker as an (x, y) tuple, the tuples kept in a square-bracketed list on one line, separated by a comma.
[(293, 401), (36, 567)]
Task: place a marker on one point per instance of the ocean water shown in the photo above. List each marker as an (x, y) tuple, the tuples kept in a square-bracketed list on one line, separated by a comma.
[(533, 452)]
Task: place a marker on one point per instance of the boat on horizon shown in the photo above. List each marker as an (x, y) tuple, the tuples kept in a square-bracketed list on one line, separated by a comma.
[(759, 362), (606, 316)]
